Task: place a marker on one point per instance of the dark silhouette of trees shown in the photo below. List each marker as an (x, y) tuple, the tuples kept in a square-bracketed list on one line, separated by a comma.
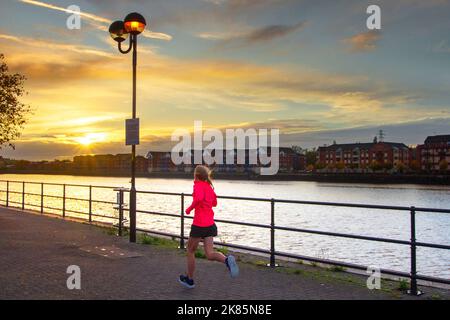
[(311, 156), (443, 165), (12, 112)]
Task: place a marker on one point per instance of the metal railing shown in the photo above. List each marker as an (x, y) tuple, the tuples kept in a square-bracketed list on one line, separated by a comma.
[(41, 206), (272, 227)]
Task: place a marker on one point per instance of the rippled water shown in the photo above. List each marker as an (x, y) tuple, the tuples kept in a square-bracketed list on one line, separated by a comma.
[(431, 227)]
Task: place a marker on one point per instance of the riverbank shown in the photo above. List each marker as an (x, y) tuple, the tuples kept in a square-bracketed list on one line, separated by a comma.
[(113, 268), (369, 178)]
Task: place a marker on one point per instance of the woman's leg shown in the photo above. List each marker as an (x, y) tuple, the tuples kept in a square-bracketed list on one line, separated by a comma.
[(212, 255), (191, 247)]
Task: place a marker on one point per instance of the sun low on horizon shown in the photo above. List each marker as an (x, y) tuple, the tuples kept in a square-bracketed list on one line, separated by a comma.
[(91, 138), (312, 70)]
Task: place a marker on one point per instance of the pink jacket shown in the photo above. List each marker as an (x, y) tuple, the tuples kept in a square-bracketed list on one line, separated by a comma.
[(204, 199)]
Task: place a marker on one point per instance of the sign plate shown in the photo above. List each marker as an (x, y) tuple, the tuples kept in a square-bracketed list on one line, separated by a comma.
[(132, 132)]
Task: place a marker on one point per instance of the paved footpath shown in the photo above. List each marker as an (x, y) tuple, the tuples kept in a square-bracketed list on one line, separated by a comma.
[(35, 252)]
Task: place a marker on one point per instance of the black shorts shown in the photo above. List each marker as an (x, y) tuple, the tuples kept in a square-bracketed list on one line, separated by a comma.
[(203, 232)]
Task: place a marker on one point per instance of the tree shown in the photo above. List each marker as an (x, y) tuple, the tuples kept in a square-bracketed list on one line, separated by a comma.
[(375, 165), (388, 166), (320, 166), (311, 156), (415, 165), (297, 149), (340, 165), (443, 165), (400, 167), (428, 166), (12, 112)]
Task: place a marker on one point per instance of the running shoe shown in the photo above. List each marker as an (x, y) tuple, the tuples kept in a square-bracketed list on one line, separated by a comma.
[(185, 281), (232, 266)]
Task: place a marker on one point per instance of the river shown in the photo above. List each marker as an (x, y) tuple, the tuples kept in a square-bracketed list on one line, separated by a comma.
[(431, 227)]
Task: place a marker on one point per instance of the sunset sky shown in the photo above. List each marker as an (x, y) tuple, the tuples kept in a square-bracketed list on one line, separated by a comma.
[(310, 68)]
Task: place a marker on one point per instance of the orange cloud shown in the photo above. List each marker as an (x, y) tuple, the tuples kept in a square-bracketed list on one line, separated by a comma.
[(363, 42)]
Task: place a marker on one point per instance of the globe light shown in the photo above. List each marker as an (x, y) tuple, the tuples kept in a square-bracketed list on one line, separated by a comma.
[(135, 23), (118, 32)]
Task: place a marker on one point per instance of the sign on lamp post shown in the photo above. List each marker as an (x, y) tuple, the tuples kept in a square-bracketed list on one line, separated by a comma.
[(132, 132)]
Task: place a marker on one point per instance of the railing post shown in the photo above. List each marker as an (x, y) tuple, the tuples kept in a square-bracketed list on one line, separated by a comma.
[(182, 222), (7, 193), (272, 263), (42, 197), (64, 201), (413, 288), (90, 203), (120, 211), (23, 195)]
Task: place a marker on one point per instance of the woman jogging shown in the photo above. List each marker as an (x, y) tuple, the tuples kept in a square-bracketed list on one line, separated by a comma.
[(203, 227)]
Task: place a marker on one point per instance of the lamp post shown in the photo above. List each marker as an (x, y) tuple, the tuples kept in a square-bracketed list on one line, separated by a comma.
[(133, 25)]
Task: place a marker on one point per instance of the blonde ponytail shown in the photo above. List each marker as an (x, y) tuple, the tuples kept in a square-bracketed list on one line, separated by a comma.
[(203, 173)]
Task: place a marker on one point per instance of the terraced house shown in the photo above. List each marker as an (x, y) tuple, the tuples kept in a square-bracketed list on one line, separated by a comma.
[(363, 155), (434, 154), (289, 161)]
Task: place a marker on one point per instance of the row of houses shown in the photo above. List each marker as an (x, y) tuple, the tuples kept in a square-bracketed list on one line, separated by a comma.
[(161, 161), (432, 155), (119, 163)]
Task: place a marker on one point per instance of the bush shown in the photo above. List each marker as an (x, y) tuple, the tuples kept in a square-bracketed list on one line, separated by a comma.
[(415, 165), (443, 165), (155, 241), (388, 166), (340, 165), (337, 269), (200, 254), (400, 167), (225, 251), (320, 166), (403, 285), (375, 166)]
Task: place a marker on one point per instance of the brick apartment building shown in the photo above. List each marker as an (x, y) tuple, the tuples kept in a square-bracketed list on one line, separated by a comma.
[(361, 155), (289, 161), (157, 161), (108, 162), (434, 151), (161, 161)]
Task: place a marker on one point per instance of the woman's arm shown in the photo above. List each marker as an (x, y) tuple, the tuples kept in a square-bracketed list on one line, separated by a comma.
[(214, 204), (197, 196)]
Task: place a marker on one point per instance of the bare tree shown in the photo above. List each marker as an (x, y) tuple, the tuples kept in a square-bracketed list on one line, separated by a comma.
[(12, 112)]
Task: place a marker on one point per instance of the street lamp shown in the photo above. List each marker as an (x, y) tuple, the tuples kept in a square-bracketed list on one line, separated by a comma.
[(133, 25)]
